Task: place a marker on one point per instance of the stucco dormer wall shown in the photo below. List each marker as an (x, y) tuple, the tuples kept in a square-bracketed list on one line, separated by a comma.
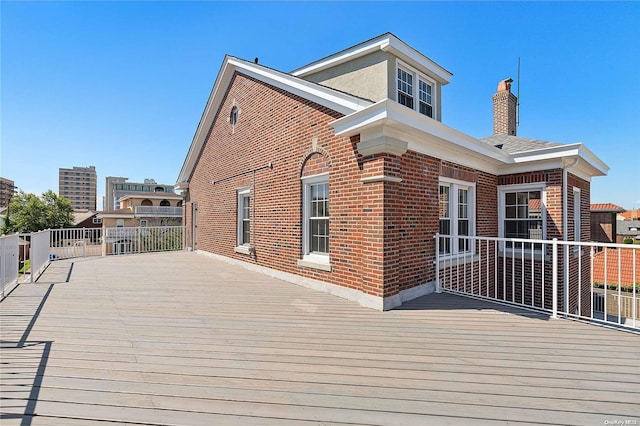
[(365, 77)]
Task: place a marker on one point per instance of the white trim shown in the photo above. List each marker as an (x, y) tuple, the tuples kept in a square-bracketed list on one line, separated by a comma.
[(386, 43), (320, 177), (577, 212), (502, 189), (454, 185), (307, 256), (245, 249), (417, 76), (381, 178), (338, 101), (309, 261), (241, 194)]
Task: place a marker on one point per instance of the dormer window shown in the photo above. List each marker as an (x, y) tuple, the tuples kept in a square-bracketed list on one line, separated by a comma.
[(426, 103), (405, 96), (405, 88)]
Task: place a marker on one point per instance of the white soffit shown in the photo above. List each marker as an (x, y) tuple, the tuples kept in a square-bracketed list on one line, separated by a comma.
[(431, 137), (423, 134)]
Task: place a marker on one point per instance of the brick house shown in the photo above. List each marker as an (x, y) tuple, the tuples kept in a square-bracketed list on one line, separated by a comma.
[(337, 176), (603, 222)]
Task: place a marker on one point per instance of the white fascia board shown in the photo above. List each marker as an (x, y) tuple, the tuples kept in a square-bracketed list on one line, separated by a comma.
[(567, 152), (407, 53), (325, 96), (423, 134), (339, 58), (330, 98), (386, 43)]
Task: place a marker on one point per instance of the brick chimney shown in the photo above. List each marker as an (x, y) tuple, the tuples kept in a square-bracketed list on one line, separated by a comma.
[(504, 109)]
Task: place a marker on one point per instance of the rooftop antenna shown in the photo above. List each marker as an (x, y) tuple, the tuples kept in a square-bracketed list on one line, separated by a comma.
[(518, 104)]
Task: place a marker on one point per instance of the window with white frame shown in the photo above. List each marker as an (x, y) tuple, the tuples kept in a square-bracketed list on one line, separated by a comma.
[(456, 206), (406, 82), (97, 220), (405, 88), (576, 215), (244, 217), (316, 218), (522, 212)]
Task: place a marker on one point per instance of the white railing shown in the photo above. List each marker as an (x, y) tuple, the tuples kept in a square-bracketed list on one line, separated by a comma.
[(144, 239), (159, 211), (39, 253), (594, 281), (75, 242), (9, 262)]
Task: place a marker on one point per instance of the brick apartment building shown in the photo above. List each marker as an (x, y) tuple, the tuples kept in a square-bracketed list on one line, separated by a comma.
[(337, 176)]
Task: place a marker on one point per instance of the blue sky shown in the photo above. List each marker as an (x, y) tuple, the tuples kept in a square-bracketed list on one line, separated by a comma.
[(122, 85)]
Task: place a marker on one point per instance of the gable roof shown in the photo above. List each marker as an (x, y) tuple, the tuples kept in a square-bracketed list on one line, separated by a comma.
[(386, 42), (333, 99), (606, 207), (630, 214), (81, 216), (390, 120)]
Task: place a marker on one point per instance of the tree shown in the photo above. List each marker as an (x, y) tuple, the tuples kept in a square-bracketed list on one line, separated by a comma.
[(30, 213)]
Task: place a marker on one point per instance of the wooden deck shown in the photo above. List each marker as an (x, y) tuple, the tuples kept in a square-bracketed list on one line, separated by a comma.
[(179, 338)]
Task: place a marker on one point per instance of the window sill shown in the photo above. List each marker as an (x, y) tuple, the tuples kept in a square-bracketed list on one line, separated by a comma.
[(528, 254), (243, 249), (457, 259), (315, 263)]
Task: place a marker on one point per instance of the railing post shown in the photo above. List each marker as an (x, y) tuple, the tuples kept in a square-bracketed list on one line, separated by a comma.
[(554, 273), (437, 237)]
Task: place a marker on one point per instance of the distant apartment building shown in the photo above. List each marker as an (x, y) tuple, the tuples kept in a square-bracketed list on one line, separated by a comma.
[(118, 187), (79, 185), (7, 189)]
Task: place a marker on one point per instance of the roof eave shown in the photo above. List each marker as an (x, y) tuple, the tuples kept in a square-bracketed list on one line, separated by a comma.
[(386, 43), (330, 98)]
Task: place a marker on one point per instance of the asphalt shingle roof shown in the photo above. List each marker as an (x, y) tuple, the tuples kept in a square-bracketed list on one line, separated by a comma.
[(514, 144)]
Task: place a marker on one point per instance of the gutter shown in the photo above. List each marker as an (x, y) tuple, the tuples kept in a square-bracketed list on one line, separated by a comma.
[(565, 232)]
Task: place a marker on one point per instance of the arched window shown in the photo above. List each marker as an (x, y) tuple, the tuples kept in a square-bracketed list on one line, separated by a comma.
[(165, 203), (146, 202)]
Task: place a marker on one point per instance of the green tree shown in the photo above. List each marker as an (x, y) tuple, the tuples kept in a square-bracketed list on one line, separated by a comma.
[(30, 213)]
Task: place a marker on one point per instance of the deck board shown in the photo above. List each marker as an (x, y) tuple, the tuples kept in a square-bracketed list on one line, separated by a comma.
[(178, 338)]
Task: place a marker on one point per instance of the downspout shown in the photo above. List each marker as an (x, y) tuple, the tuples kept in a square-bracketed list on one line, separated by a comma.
[(565, 235)]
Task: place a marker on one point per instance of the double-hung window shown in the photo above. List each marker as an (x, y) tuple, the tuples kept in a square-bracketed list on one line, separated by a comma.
[(522, 213), (315, 238), (407, 82), (244, 217), (456, 206), (405, 88)]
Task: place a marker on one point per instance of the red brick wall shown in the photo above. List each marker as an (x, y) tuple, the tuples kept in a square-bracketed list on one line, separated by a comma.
[(381, 232)]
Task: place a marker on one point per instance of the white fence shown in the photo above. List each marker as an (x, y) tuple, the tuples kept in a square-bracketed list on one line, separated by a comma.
[(39, 253), (128, 240), (593, 281), (75, 242), (9, 263)]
